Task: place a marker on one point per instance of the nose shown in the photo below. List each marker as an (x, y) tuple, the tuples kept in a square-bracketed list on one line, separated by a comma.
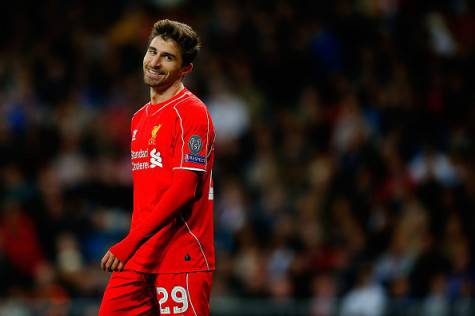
[(155, 60)]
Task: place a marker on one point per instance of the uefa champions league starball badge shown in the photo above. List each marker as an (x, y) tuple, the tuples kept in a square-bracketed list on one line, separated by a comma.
[(195, 144)]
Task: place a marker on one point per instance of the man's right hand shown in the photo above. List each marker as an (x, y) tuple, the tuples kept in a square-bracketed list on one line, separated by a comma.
[(111, 263)]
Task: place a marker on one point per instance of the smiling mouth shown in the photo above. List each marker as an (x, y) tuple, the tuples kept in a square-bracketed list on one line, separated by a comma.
[(154, 73)]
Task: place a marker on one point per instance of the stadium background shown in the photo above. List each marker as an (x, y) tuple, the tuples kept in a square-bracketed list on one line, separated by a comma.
[(345, 182)]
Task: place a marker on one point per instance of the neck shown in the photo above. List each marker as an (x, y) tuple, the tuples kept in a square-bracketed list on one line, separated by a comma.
[(158, 95)]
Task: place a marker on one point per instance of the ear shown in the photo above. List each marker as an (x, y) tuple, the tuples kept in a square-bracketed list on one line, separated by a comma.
[(187, 69)]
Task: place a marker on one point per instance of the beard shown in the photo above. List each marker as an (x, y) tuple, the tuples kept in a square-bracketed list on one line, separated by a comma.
[(152, 81), (160, 79)]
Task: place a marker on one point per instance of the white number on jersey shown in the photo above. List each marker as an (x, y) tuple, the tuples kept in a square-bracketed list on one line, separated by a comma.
[(179, 296)]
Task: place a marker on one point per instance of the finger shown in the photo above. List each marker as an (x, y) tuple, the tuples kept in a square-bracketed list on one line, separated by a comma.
[(104, 261), (115, 263), (120, 267), (109, 262)]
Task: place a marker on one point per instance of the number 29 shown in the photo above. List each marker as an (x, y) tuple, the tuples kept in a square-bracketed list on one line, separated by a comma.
[(179, 296)]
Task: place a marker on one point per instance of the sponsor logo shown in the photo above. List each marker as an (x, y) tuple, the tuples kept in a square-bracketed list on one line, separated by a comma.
[(195, 144), (134, 134), (155, 129), (156, 159), (138, 154), (195, 159), (139, 166)]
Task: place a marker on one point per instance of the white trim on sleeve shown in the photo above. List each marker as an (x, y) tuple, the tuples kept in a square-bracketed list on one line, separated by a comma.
[(207, 138), (182, 135), (188, 168)]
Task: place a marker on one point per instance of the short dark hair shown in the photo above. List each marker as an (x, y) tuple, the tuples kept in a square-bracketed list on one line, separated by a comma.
[(182, 34)]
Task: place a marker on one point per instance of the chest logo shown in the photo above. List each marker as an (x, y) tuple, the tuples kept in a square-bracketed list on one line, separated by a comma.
[(155, 159), (154, 134)]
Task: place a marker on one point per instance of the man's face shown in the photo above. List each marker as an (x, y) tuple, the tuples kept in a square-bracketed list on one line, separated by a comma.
[(162, 64)]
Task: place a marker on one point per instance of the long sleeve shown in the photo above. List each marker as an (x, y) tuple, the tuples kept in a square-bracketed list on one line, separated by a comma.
[(181, 191)]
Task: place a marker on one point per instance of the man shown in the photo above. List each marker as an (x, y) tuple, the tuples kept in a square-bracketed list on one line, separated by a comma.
[(164, 265)]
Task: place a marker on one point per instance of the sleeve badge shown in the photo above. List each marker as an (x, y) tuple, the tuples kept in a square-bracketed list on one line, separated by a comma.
[(195, 144)]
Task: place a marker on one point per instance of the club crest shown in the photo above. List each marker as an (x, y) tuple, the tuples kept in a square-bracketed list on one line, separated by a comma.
[(154, 134)]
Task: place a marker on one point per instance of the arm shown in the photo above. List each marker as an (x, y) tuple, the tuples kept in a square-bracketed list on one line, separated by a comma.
[(181, 191)]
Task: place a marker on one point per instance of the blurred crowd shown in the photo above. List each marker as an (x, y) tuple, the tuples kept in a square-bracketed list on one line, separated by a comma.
[(344, 147)]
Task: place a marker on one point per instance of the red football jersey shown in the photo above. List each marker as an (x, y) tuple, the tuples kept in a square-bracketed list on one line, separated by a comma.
[(175, 134)]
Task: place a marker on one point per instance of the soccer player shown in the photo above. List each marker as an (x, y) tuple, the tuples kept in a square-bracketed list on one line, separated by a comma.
[(164, 265)]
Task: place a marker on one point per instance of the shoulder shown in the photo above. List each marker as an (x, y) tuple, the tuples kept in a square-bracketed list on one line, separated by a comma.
[(140, 112), (192, 108)]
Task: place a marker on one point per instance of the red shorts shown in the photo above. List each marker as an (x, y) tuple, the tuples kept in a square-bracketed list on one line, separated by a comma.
[(135, 293)]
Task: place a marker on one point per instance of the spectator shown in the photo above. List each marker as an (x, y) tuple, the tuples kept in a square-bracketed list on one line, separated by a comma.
[(367, 298)]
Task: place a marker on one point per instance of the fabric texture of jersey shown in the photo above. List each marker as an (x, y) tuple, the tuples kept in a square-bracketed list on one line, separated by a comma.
[(130, 293), (185, 294), (176, 134)]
